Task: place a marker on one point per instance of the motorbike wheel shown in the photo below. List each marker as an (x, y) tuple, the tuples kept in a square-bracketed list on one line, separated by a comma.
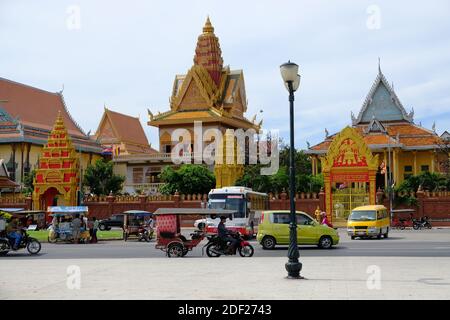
[(246, 251), (33, 246), (175, 250), (211, 252), (416, 226), (147, 239), (4, 247)]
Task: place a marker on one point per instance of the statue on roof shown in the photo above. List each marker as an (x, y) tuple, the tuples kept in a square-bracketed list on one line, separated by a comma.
[(434, 126), (327, 134), (150, 114)]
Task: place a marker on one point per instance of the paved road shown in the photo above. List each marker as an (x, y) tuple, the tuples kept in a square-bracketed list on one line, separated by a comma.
[(406, 243)]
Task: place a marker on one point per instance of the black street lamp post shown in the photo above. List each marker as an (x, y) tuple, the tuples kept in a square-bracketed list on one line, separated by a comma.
[(291, 78)]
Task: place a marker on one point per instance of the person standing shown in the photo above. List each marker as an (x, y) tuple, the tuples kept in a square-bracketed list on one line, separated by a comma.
[(94, 230), (76, 225)]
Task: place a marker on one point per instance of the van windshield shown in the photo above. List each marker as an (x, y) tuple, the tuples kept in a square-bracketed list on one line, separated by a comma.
[(369, 215), (228, 201)]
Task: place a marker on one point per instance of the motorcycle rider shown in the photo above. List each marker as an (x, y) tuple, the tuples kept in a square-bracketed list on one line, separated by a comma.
[(13, 232), (225, 235)]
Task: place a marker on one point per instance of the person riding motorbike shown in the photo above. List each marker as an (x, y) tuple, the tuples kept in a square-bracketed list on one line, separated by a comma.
[(13, 232), (225, 235)]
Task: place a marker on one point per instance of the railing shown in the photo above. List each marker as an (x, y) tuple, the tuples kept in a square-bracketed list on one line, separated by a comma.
[(161, 156), (8, 198)]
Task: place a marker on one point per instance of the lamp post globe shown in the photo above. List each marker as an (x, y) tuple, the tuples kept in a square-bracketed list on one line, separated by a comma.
[(291, 79)]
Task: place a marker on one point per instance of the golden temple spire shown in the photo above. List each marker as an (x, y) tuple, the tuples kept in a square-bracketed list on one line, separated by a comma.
[(208, 28), (208, 53)]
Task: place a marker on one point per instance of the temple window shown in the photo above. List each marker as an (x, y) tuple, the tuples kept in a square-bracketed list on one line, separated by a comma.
[(425, 168), (138, 175), (408, 172)]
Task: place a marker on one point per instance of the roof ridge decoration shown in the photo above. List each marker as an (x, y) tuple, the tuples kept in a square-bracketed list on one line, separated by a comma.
[(375, 126), (381, 79), (28, 86), (60, 94)]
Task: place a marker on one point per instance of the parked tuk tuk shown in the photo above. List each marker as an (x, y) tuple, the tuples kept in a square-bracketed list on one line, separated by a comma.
[(138, 223), (168, 225), (61, 228)]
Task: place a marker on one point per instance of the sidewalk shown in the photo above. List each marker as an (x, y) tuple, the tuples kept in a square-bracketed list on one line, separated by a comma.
[(227, 278)]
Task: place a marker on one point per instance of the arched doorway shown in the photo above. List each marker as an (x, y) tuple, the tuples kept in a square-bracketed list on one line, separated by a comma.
[(51, 197), (349, 170)]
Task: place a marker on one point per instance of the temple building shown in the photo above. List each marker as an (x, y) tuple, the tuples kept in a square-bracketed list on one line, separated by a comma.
[(120, 134), (211, 93), (382, 147), (26, 119)]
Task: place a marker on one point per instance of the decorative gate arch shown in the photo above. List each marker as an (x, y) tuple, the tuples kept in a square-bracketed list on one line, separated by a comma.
[(348, 160)]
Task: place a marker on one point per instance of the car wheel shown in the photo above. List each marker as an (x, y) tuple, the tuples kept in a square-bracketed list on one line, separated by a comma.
[(201, 226), (268, 243), (102, 227), (352, 237), (325, 242)]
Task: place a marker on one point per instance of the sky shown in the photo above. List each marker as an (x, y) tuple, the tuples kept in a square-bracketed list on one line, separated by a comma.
[(125, 55)]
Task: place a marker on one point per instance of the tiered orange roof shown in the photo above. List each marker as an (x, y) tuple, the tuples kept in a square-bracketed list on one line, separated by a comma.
[(27, 113), (390, 124), (115, 127)]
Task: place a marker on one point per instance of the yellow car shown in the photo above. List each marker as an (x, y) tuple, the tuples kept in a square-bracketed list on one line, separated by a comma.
[(273, 230), (368, 222)]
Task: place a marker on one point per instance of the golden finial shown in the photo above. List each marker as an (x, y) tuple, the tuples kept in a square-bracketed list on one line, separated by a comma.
[(208, 28)]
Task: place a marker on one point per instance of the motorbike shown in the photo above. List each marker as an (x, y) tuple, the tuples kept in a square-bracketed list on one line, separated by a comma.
[(399, 224), (423, 223), (217, 246), (31, 244), (145, 233)]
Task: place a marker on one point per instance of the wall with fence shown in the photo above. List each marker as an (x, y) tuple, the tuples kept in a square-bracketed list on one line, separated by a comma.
[(435, 205), (105, 206)]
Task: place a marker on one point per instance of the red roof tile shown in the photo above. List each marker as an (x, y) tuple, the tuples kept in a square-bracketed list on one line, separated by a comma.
[(35, 107)]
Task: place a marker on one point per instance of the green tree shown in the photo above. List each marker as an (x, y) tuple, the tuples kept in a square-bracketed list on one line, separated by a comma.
[(302, 160), (188, 179), (101, 179), (28, 181)]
